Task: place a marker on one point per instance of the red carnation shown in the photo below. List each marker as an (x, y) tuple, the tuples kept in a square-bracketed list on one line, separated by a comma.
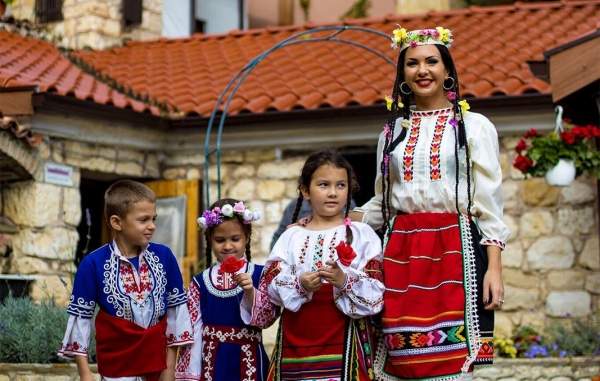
[(345, 253), (231, 265), (522, 163), (532, 133), (568, 137), (521, 146)]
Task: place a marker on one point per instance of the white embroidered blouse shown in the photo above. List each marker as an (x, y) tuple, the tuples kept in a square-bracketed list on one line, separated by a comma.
[(423, 173), (301, 250)]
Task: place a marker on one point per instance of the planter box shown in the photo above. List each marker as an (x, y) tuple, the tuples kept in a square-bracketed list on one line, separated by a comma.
[(567, 369)]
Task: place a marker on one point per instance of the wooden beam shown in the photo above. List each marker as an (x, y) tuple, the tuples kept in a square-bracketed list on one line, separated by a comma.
[(574, 68), (16, 103)]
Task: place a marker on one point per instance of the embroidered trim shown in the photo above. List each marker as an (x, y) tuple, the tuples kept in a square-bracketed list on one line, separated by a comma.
[(493, 242), (441, 111), (435, 173), (160, 284), (176, 297), (317, 260), (263, 310), (469, 269), (400, 290), (424, 230), (73, 348), (428, 328), (114, 296), (420, 351), (433, 259), (215, 335), (409, 150), (223, 293), (81, 308)]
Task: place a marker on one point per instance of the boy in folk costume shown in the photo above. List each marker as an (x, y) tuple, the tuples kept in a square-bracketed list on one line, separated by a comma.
[(138, 288)]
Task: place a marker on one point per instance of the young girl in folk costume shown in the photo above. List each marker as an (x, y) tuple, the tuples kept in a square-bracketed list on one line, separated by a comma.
[(326, 276), (439, 182), (224, 347)]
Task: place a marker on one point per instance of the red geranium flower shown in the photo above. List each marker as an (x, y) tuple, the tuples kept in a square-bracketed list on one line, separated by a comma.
[(522, 163), (345, 253), (231, 265), (568, 137), (532, 133), (521, 146)]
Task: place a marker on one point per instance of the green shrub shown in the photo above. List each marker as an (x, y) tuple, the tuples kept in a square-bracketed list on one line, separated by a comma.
[(31, 332), (582, 338)]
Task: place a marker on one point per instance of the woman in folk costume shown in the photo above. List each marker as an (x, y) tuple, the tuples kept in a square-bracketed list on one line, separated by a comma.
[(327, 277), (224, 348), (438, 195)]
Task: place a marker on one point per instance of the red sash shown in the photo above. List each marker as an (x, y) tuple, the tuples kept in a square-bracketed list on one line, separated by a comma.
[(125, 349)]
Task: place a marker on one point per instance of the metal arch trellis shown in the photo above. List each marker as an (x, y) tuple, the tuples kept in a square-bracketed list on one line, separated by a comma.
[(240, 77)]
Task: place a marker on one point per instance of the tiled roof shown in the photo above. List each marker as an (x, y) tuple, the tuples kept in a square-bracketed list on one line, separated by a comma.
[(26, 61), (492, 46)]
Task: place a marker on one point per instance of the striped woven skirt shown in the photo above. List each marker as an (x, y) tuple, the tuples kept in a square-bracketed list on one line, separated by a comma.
[(434, 326)]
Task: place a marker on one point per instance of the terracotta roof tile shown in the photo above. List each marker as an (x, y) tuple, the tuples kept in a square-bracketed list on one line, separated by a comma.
[(29, 61), (491, 50)]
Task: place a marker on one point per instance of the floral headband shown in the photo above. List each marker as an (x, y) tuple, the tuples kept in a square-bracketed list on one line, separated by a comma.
[(213, 217), (404, 39)]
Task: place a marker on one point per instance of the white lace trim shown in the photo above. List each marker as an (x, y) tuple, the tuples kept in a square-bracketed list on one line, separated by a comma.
[(224, 293)]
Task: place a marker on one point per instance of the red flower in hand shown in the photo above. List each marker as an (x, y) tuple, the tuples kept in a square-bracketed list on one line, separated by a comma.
[(345, 253), (522, 163), (231, 265), (521, 146)]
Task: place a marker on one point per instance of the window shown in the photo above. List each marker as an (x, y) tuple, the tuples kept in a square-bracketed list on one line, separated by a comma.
[(132, 12), (48, 10)]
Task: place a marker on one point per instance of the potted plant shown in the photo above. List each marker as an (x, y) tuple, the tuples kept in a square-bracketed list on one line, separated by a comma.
[(560, 155)]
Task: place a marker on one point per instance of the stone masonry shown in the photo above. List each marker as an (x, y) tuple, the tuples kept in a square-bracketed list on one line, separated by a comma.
[(96, 24), (47, 215)]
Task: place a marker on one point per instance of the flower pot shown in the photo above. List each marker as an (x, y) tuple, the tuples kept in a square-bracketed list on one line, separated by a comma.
[(562, 174)]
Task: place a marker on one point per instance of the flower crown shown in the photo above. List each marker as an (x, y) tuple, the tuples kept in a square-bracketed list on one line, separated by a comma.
[(404, 39), (213, 217)]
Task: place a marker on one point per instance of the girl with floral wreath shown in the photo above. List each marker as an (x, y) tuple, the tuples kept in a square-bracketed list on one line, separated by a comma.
[(438, 197)]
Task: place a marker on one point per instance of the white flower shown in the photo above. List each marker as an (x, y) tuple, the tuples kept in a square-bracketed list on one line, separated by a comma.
[(202, 222), (247, 215), (256, 215), (227, 210)]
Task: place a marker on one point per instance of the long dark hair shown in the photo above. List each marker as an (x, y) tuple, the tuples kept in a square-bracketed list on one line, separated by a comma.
[(314, 162), (391, 143), (247, 228)]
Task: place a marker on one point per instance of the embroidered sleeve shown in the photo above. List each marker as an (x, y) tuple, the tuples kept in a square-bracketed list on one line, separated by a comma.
[(362, 294), (77, 337), (175, 291), (189, 361), (487, 178), (83, 298), (263, 312), (372, 209), (179, 328), (285, 289)]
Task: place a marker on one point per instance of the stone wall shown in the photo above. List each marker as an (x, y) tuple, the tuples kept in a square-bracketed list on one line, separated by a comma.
[(574, 369), (47, 215), (96, 24), (551, 263)]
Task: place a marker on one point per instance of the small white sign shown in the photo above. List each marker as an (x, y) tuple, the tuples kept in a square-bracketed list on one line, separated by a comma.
[(58, 174)]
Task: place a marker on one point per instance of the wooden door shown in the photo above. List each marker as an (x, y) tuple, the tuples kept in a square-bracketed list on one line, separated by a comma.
[(190, 263)]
